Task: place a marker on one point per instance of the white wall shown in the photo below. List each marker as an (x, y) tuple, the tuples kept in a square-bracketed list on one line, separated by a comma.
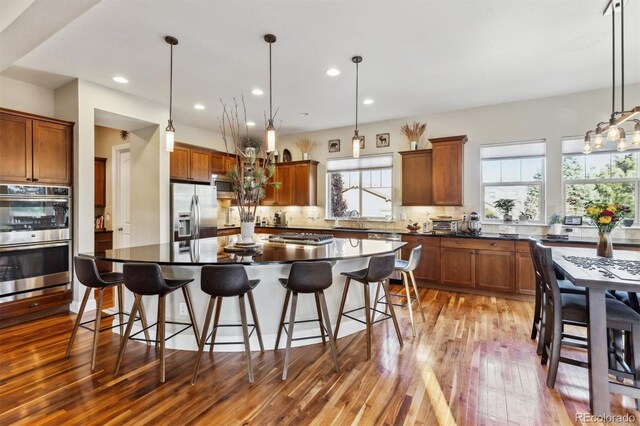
[(21, 96), (549, 118)]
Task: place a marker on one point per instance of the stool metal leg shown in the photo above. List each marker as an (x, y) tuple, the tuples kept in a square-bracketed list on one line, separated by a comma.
[(367, 316), (405, 280), (341, 310), (127, 332), (292, 319), (285, 305), (203, 340), (392, 311), (254, 315), (121, 307), (215, 323), (324, 341), (415, 289), (161, 328), (83, 305), (143, 320), (332, 343), (192, 316), (96, 326), (245, 335)]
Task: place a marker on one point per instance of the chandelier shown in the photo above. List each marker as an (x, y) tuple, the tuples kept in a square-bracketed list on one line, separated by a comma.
[(613, 129)]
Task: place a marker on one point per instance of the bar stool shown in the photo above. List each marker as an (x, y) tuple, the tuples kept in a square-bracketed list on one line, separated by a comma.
[(220, 281), (145, 279), (307, 278), (379, 270), (405, 267), (88, 275)]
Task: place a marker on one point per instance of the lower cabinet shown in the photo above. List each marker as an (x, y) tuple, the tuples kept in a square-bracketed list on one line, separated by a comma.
[(457, 267), (495, 270), (103, 240), (525, 275), (429, 266)]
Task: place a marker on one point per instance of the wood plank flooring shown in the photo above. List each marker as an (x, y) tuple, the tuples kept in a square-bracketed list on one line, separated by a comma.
[(472, 362)]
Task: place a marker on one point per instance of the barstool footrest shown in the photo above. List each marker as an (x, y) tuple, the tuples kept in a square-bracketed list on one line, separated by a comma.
[(82, 324), (386, 316), (206, 342), (188, 326), (324, 334), (383, 300)]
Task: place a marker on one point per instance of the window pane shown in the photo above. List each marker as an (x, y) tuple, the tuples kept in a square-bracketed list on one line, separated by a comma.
[(490, 171), (386, 177), (573, 167), (375, 179), (374, 203), (624, 165), (366, 178), (577, 196), (510, 171), (531, 169), (597, 166), (527, 200)]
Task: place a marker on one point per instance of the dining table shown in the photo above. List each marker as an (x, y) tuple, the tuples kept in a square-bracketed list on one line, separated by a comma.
[(598, 274)]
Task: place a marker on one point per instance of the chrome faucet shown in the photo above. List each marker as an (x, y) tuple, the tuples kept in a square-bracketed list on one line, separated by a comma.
[(354, 213)]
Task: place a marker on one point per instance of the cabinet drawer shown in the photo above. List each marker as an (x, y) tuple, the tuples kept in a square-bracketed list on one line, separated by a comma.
[(478, 244), (425, 241), (101, 237), (32, 305)]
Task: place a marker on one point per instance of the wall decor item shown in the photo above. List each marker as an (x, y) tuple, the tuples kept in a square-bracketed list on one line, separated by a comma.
[(334, 145), (413, 133), (286, 156), (361, 143), (383, 140)]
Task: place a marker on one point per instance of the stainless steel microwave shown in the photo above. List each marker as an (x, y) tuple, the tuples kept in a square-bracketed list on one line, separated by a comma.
[(224, 187)]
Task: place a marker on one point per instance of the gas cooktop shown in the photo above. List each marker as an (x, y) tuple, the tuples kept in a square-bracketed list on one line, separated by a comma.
[(302, 238)]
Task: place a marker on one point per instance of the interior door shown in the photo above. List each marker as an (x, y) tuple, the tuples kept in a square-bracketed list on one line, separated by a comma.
[(122, 237)]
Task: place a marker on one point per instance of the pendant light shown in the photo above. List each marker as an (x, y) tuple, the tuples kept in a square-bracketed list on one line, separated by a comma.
[(170, 131), (271, 131), (613, 130), (356, 137)]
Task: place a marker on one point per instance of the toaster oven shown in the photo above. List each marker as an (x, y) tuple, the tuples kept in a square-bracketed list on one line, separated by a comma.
[(445, 226)]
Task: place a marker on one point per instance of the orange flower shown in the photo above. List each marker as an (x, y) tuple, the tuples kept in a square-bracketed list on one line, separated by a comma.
[(605, 220)]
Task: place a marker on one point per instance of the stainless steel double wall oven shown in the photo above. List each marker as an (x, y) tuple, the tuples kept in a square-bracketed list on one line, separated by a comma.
[(35, 241)]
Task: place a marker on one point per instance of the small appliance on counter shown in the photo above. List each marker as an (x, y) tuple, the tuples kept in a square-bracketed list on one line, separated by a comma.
[(474, 225), (445, 225), (280, 218)]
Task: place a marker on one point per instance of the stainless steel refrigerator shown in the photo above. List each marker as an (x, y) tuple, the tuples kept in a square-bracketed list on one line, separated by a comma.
[(194, 211)]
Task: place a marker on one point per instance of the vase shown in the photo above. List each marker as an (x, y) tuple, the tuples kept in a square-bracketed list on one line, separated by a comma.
[(305, 156), (507, 218), (555, 229), (605, 248), (413, 145), (247, 229)]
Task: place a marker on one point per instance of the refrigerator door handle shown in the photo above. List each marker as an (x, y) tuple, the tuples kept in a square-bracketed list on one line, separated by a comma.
[(192, 217), (198, 217)]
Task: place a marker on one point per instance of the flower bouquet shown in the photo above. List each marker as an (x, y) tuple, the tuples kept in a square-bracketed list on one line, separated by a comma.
[(605, 217)]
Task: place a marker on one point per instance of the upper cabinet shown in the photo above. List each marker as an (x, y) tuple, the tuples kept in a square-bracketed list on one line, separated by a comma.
[(188, 163), (221, 162), (434, 177), (35, 149), (298, 185)]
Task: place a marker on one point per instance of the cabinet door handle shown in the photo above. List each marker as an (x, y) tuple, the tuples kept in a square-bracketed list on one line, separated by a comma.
[(28, 179), (35, 179), (120, 229), (471, 252), (458, 242), (494, 244), (477, 251), (33, 305)]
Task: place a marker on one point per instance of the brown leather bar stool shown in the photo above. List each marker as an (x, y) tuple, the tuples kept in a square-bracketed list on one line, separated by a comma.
[(145, 279), (88, 275), (220, 281), (406, 268), (307, 278), (379, 270)]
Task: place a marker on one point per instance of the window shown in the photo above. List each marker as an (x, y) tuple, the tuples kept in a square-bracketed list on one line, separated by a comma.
[(608, 176), (516, 172), (361, 184)]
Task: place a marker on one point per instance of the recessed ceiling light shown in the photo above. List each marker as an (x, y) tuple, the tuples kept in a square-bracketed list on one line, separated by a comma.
[(257, 92), (306, 114), (333, 72), (120, 79), (250, 123), (199, 106), (367, 101)]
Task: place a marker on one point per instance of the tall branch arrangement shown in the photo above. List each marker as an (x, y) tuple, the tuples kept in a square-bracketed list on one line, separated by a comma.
[(250, 175), (413, 132)]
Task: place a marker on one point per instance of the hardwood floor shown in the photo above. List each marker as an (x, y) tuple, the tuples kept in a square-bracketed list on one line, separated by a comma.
[(471, 363)]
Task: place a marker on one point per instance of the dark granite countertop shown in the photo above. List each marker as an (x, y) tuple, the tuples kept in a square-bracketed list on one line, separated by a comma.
[(620, 242), (211, 251)]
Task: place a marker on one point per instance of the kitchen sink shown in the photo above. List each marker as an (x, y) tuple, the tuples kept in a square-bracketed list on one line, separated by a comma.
[(346, 228)]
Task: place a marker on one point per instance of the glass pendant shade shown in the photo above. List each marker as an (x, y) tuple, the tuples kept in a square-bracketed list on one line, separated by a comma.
[(613, 134), (356, 145), (622, 142), (586, 148), (271, 137), (598, 141), (635, 140), (170, 136)]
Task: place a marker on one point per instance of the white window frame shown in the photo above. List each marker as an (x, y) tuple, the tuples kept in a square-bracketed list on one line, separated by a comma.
[(540, 183), (635, 181), (359, 170)]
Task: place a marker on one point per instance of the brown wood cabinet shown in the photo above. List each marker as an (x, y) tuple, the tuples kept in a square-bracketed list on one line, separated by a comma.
[(103, 240), (100, 182), (457, 267), (190, 164), (34, 307), (35, 149), (495, 270), (221, 162), (525, 275), (298, 185), (429, 266), (434, 176)]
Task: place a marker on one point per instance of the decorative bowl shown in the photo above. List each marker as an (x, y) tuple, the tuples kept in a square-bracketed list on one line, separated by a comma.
[(413, 228), (627, 222)]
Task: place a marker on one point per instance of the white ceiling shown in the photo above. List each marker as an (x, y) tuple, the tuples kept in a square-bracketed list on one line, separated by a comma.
[(419, 56)]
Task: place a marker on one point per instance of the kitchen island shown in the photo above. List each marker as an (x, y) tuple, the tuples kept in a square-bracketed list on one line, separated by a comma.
[(185, 259)]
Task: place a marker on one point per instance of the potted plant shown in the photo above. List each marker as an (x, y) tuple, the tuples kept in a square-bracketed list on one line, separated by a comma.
[(555, 224), (306, 145), (524, 217), (250, 175), (413, 133), (606, 217), (505, 206)]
